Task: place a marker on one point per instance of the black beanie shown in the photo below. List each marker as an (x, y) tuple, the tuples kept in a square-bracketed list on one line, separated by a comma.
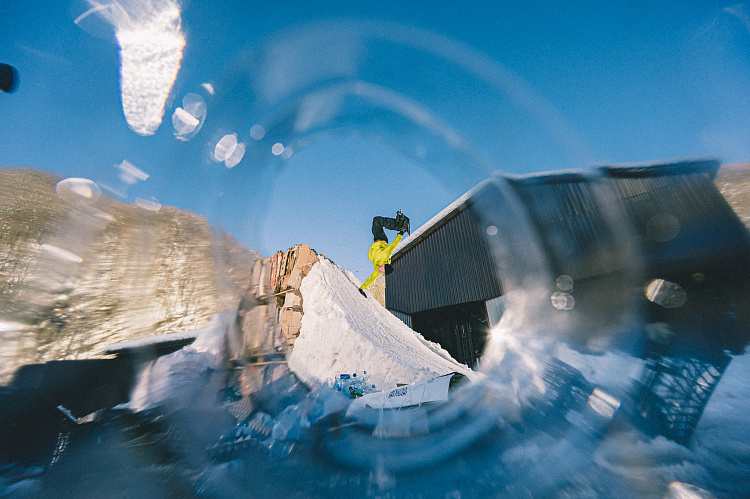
[(388, 268)]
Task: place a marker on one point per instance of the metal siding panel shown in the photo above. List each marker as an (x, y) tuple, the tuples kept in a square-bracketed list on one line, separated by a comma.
[(459, 261), (451, 265), (480, 265), (425, 261), (484, 269), (471, 244), (464, 261), (440, 283), (425, 269), (403, 288), (491, 280), (453, 282), (418, 255), (423, 265), (441, 249), (405, 318), (428, 286), (437, 249), (571, 226), (463, 240), (464, 231)]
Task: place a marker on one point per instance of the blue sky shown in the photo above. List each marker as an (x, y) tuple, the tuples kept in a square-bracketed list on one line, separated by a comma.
[(409, 103)]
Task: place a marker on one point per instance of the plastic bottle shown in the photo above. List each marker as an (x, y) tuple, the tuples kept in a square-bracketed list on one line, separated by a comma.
[(341, 383), (359, 379)]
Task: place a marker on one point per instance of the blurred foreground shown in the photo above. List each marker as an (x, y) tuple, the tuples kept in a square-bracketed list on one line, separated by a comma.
[(225, 408)]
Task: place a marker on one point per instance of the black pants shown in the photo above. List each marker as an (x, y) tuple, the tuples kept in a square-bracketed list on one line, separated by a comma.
[(378, 223)]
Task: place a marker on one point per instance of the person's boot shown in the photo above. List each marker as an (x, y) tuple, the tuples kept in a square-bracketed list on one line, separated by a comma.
[(403, 222)]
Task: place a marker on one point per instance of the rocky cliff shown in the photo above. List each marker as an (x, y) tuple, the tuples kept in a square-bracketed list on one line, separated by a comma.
[(733, 181), (82, 271)]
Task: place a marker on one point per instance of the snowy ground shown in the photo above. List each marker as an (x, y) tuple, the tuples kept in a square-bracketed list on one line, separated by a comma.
[(343, 332), (629, 463)]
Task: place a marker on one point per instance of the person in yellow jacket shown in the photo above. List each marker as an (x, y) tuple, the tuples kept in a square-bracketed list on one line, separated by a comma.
[(380, 251)]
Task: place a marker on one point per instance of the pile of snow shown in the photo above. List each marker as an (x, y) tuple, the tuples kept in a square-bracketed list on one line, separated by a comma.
[(175, 376), (343, 332)]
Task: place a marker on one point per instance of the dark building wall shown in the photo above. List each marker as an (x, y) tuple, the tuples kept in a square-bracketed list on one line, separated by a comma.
[(612, 230), (679, 216), (584, 235), (449, 265), (575, 226), (690, 237), (439, 325)]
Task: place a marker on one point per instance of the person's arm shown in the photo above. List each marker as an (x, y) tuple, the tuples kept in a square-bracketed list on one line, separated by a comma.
[(370, 280), (392, 247)]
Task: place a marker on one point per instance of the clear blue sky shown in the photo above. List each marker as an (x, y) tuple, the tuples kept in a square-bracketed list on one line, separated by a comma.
[(384, 105)]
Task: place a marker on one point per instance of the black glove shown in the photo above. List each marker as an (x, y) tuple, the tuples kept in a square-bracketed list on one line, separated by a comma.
[(362, 292)]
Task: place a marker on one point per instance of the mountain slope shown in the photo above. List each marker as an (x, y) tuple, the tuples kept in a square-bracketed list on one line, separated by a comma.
[(77, 276)]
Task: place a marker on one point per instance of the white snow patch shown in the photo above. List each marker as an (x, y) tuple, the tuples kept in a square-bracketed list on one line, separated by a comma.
[(343, 332), (174, 376), (615, 372), (718, 456)]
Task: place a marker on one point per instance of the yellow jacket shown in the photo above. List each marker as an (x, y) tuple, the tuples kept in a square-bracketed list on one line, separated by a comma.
[(380, 254)]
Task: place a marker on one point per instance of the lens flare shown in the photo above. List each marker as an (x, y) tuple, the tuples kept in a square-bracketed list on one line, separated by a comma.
[(151, 42)]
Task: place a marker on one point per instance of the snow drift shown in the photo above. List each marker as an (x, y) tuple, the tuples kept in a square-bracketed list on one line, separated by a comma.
[(342, 332)]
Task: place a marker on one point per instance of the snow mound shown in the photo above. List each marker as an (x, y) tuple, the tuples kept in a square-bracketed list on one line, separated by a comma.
[(343, 332), (176, 376)]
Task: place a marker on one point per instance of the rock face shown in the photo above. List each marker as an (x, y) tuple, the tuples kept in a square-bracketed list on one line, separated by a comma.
[(733, 181), (76, 275)]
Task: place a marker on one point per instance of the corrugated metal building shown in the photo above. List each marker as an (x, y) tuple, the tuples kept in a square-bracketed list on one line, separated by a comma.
[(587, 240), (431, 291)]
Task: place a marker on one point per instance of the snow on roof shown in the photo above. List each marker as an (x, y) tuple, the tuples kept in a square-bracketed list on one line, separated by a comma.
[(439, 217), (550, 174)]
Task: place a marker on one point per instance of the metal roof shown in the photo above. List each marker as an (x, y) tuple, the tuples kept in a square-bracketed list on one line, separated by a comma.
[(577, 216)]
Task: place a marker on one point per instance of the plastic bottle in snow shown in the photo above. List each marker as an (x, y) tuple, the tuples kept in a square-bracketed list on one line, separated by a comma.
[(341, 383), (360, 378), (359, 385)]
